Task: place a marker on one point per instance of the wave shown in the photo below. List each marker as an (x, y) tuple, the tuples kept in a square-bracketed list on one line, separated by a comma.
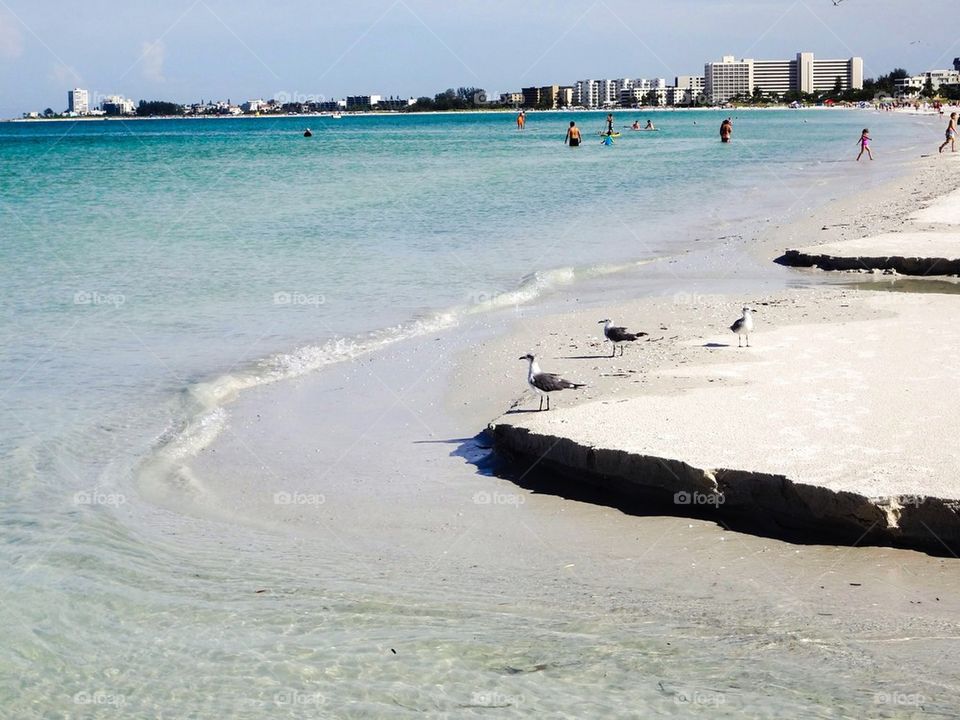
[(203, 405)]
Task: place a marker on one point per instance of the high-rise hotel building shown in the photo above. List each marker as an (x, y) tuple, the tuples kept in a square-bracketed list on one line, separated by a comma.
[(731, 77)]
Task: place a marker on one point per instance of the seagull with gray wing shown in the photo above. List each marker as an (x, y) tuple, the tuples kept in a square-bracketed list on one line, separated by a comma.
[(743, 326), (618, 335), (546, 383)]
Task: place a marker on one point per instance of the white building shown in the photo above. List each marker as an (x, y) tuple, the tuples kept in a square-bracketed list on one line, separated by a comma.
[(731, 77), (117, 105), (727, 78), (78, 101), (913, 85), (687, 90), (586, 93)]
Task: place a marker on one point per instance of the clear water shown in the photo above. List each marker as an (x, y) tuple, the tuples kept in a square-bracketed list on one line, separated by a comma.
[(153, 269)]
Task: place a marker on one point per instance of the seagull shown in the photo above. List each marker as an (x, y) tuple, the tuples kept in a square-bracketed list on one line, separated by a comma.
[(618, 335), (544, 383), (743, 326)]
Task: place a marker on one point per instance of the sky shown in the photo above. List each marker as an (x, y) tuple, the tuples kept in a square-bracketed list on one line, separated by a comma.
[(185, 50)]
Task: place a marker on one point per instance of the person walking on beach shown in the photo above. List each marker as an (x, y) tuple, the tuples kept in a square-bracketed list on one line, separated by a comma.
[(573, 135), (521, 120), (865, 144), (951, 134), (726, 130)]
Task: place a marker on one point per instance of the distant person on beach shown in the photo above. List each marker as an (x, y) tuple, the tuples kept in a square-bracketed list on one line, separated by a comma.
[(573, 135), (521, 120), (865, 144), (951, 134), (609, 123), (726, 130)]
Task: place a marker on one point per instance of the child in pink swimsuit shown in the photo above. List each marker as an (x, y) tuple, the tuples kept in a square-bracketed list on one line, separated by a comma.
[(865, 145)]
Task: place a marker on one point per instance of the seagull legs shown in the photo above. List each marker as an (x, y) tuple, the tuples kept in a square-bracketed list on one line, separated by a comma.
[(548, 402), (541, 402), (612, 354)]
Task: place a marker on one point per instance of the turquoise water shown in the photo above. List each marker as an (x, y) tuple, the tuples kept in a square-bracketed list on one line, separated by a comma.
[(153, 269)]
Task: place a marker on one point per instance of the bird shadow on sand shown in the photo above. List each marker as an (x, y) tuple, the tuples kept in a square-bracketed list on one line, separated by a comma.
[(716, 345), (583, 357)]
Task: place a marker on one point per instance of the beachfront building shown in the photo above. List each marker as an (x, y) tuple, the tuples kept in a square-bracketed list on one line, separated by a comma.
[(253, 106), (114, 105), (78, 101), (548, 97), (730, 77), (565, 96), (361, 102), (586, 93), (727, 78), (531, 97), (396, 103), (687, 90), (511, 98), (915, 84)]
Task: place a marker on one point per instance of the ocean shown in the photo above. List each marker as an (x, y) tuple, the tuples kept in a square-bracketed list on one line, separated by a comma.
[(155, 270)]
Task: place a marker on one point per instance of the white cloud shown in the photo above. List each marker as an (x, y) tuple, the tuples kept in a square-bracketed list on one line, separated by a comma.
[(152, 59), (11, 41)]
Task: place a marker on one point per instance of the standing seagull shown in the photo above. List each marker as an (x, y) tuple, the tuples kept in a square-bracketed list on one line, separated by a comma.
[(544, 383), (618, 335), (743, 326)]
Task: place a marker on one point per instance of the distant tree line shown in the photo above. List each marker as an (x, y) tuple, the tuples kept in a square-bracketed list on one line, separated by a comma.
[(149, 108), (464, 98)]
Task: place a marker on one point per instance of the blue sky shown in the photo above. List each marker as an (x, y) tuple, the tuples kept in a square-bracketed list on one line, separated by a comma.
[(183, 50)]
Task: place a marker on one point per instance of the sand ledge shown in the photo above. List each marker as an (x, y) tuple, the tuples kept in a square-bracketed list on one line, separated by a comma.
[(771, 503)]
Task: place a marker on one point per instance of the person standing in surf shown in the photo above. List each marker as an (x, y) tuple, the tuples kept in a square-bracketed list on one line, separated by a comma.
[(573, 135), (521, 119), (865, 144), (609, 123), (726, 130)]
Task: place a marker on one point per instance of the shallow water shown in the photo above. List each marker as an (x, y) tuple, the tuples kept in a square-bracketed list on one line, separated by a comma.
[(155, 269)]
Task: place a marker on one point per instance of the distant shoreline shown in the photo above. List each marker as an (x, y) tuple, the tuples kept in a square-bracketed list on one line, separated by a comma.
[(125, 118)]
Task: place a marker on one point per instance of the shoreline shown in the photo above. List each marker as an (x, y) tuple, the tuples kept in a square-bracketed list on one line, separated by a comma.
[(503, 111)]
